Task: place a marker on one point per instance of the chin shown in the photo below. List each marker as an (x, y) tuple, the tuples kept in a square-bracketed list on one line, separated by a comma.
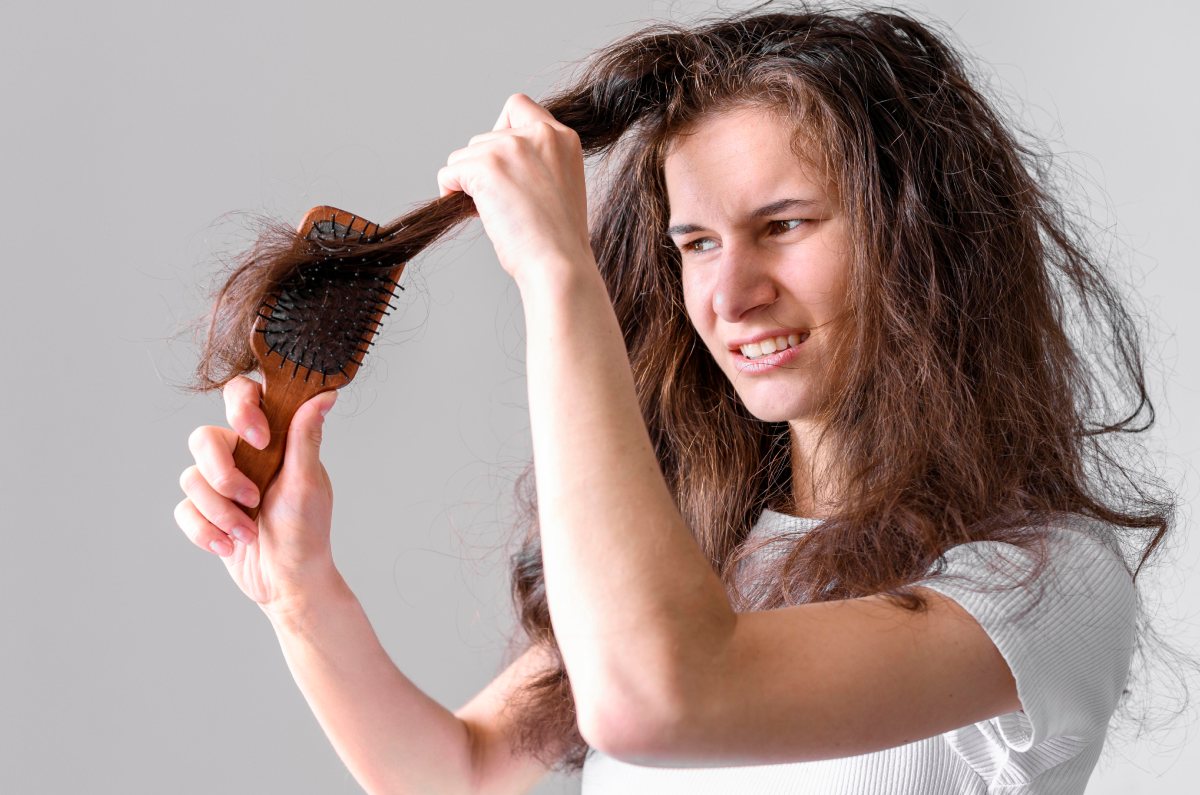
[(777, 416), (777, 411), (780, 401)]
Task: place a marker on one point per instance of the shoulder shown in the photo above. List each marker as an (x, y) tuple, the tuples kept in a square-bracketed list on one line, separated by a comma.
[(1073, 555), (1076, 576), (1066, 628)]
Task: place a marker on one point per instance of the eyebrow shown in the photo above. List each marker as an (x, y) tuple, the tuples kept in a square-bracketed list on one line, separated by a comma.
[(765, 210)]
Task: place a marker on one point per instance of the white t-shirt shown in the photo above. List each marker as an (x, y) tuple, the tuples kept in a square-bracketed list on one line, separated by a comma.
[(1070, 656)]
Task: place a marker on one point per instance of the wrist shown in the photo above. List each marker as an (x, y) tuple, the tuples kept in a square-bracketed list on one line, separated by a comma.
[(559, 277), (299, 603)]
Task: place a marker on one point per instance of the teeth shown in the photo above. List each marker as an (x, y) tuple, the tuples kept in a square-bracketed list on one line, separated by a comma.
[(756, 349)]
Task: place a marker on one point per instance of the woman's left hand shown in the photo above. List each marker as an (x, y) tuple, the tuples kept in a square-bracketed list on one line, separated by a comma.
[(526, 178)]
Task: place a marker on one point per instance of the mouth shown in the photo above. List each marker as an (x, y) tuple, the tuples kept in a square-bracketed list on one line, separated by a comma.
[(759, 349), (762, 362)]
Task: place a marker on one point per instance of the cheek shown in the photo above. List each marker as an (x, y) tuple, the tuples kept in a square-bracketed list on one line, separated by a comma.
[(699, 310), (820, 284), (833, 268), (695, 303)]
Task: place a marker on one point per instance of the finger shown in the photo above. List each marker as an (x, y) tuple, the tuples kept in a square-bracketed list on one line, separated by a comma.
[(200, 531), (520, 110), (477, 146), (219, 511), (459, 155), (212, 448), (483, 138), (303, 453), (449, 181), (243, 410)]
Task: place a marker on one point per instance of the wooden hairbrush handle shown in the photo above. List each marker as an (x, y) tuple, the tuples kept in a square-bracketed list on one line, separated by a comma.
[(300, 337), (281, 398)]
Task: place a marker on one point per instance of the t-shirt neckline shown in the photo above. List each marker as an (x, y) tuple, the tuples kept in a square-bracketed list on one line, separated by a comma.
[(774, 523)]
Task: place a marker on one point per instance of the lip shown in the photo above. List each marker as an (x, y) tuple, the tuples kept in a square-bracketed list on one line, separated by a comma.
[(766, 363), (766, 335)]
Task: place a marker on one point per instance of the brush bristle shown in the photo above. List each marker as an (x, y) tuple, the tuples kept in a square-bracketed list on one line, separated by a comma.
[(324, 319), (325, 316)]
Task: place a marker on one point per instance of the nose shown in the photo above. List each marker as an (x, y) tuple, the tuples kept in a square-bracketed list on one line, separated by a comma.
[(744, 282)]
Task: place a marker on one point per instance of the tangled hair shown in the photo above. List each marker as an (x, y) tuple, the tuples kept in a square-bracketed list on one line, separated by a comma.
[(963, 409)]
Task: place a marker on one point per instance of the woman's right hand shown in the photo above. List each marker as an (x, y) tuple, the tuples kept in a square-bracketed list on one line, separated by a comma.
[(287, 552)]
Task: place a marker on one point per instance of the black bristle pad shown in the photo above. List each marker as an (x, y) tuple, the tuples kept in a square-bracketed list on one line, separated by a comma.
[(332, 231), (324, 318)]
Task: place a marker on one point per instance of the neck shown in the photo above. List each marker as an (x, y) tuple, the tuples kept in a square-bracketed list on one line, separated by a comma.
[(810, 481)]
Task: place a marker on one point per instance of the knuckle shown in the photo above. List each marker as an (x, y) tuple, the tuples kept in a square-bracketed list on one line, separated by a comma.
[(188, 519), (225, 483), (239, 415), (231, 519), (241, 391), (239, 383), (519, 146), (230, 393), (188, 478)]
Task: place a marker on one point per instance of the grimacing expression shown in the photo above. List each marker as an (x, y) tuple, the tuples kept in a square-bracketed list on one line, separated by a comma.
[(764, 257)]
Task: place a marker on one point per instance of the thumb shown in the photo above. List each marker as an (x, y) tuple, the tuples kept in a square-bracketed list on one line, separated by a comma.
[(303, 452)]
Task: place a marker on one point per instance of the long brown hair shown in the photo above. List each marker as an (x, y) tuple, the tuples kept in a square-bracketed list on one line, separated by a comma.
[(964, 408)]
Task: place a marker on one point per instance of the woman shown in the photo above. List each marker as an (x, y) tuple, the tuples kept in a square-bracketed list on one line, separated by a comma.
[(811, 442)]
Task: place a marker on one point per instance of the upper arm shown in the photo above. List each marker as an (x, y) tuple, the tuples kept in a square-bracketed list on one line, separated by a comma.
[(1047, 658), (825, 680), (496, 770)]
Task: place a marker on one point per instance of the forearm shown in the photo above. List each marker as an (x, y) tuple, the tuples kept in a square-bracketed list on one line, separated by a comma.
[(391, 736), (632, 597)]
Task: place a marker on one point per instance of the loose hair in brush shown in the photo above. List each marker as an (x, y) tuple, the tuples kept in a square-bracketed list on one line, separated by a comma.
[(964, 409)]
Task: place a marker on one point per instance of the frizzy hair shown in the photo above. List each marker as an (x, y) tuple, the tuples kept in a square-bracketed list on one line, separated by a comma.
[(963, 410)]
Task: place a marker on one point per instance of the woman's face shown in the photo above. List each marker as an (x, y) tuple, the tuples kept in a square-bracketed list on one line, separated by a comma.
[(764, 251)]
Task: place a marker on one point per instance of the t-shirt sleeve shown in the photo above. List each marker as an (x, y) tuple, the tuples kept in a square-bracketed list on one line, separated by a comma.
[(1067, 635)]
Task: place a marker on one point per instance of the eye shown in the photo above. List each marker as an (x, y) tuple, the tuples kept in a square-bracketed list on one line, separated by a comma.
[(697, 246), (783, 226), (691, 247)]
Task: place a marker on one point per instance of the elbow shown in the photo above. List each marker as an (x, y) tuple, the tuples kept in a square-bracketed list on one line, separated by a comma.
[(653, 713), (628, 734), (633, 725)]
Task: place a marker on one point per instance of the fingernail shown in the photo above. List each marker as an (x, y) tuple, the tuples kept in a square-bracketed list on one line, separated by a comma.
[(221, 547), (242, 534), (256, 437), (249, 498)]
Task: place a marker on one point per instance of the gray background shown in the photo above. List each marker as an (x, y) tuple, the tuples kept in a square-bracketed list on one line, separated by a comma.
[(129, 662)]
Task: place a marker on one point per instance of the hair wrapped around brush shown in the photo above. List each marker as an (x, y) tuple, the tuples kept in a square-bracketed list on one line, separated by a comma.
[(599, 113)]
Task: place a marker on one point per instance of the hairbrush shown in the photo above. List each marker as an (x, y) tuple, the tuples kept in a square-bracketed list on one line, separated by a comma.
[(311, 333)]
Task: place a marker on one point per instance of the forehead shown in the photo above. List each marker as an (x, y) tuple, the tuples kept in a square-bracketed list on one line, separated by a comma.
[(736, 159)]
